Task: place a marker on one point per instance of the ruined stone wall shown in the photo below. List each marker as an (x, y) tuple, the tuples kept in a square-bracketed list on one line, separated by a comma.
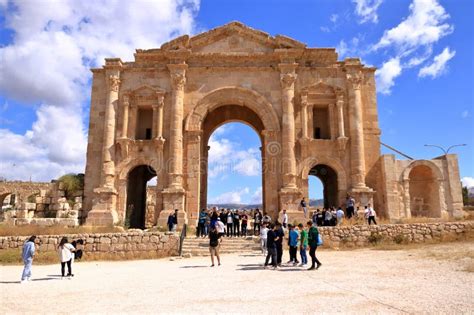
[(164, 244), (363, 235)]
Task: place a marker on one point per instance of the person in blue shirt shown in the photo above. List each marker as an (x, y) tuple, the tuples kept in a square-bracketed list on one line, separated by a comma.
[(27, 255), (293, 236)]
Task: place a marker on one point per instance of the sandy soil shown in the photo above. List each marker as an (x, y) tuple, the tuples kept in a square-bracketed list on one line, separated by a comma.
[(430, 279)]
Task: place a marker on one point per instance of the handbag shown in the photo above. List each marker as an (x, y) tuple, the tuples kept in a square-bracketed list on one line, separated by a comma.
[(320, 240)]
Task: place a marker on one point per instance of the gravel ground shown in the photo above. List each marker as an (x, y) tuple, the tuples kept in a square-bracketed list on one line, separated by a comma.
[(429, 279)]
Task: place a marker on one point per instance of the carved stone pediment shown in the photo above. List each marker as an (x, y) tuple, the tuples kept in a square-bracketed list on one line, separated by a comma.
[(233, 37)]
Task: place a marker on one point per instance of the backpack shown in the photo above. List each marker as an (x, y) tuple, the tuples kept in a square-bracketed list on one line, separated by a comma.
[(320, 240)]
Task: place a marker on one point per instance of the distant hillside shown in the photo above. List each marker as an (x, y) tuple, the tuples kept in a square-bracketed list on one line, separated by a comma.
[(234, 206), (312, 203)]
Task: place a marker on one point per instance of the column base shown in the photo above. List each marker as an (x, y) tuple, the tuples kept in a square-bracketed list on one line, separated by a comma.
[(103, 211), (363, 196), (173, 198)]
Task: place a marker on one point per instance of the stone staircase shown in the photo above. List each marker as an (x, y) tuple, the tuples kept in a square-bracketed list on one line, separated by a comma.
[(200, 246)]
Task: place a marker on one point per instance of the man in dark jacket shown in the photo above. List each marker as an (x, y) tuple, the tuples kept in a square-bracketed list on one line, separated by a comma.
[(280, 233), (271, 247), (313, 234)]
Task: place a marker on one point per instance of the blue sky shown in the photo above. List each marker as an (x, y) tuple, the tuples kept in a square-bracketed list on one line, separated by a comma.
[(423, 49)]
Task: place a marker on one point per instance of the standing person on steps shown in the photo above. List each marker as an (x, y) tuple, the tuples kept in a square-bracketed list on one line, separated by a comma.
[(304, 206), (257, 220), (284, 219), (27, 255), (313, 235)]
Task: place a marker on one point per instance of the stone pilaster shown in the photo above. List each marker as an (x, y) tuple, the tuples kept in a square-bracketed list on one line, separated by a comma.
[(105, 197), (354, 79), (178, 80), (289, 194), (287, 80), (174, 194)]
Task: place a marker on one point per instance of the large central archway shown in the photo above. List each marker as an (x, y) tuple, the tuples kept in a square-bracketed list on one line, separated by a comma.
[(215, 119), (231, 104)]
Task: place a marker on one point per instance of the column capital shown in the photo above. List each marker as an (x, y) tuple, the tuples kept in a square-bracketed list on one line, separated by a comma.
[(304, 99), (113, 82), (287, 80), (178, 75), (126, 100), (355, 79), (339, 94)]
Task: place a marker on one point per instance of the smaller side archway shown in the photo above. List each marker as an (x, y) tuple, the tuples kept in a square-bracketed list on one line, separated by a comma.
[(328, 178), (136, 204), (424, 180)]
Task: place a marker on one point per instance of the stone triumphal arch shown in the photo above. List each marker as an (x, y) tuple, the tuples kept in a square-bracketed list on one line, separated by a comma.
[(314, 114)]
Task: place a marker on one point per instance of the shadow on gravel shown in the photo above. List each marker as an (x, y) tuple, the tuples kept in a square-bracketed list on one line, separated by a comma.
[(38, 279), (194, 266)]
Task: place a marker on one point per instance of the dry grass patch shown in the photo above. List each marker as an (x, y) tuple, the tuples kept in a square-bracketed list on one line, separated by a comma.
[(27, 230), (12, 256)]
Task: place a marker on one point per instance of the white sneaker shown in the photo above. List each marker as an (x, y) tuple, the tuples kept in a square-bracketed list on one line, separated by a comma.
[(23, 281), (29, 278)]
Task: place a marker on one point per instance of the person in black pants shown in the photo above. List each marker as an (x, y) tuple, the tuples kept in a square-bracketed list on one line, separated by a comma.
[(257, 220), (313, 234), (271, 247), (279, 242), (230, 222), (236, 223)]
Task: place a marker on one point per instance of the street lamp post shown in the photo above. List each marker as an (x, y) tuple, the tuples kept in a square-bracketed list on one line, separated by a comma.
[(443, 149)]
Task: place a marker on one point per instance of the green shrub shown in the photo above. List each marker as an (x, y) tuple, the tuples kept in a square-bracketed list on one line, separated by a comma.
[(400, 239), (72, 183), (375, 238)]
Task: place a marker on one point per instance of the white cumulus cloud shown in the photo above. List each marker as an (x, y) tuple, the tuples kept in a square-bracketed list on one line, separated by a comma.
[(438, 66), (412, 41), (231, 196), (226, 157), (425, 25), (467, 182), (386, 75), (366, 10), (47, 65)]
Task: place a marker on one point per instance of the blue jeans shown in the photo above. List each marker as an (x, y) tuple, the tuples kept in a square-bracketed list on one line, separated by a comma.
[(27, 269), (304, 258)]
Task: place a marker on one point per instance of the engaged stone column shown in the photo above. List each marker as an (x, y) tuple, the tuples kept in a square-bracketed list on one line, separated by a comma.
[(108, 163), (178, 80), (332, 127), (126, 105), (159, 121), (357, 131), (340, 115), (287, 80), (304, 115)]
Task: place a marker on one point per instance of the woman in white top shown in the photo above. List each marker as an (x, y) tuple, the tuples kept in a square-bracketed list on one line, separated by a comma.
[(263, 238), (65, 251)]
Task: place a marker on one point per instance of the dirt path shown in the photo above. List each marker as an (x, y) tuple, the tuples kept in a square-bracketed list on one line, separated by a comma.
[(429, 279)]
